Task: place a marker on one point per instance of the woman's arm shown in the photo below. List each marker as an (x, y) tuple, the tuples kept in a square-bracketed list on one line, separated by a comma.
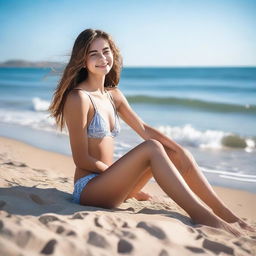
[(181, 157), (138, 125), (165, 140)]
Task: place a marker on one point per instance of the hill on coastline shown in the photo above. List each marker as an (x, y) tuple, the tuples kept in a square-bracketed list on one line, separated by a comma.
[(37, 64)]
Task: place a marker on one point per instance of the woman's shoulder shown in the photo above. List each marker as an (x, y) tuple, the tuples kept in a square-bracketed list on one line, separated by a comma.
[(115, 91), (117, 95), (78, 91), (76, 99)]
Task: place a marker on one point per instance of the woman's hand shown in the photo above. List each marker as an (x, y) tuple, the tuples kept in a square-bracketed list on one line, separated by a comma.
[(181, 158)]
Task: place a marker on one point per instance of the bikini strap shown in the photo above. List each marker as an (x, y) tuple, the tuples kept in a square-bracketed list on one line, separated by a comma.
[(112, 100), (90, 97)]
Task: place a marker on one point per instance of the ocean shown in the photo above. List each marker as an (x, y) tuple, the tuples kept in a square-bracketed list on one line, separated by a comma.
[(209, 111)]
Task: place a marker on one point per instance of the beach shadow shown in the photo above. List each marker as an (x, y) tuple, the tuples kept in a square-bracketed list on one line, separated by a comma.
[(22, 200), (166, 213), (35, 201)]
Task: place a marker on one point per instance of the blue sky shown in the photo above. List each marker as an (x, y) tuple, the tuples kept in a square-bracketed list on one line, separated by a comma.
[(148, 33)]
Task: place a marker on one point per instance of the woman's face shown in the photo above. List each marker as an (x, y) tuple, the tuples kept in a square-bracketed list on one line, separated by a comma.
[(99, 58)]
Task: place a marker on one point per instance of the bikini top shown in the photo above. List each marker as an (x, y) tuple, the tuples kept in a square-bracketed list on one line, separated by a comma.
[(98, 127)]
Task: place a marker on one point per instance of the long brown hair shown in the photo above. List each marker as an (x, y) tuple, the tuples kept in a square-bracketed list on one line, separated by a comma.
[(74, 72)]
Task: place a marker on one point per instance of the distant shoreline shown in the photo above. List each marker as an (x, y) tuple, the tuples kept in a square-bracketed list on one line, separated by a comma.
[(55, 64), (31, 64)]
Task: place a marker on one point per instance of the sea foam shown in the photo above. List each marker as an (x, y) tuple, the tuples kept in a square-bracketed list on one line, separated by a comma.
[(40, 105), (212, 139)]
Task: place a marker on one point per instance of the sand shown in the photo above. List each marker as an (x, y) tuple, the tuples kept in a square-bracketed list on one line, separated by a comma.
[(37, 215)]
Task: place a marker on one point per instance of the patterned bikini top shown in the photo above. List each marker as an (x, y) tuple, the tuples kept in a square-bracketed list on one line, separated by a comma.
[(98, 127)]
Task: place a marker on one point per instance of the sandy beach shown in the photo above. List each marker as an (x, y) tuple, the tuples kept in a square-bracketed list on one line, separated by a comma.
[(37, 215)]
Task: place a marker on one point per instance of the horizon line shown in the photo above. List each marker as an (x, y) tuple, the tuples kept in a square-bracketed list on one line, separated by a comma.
[(136, 66)]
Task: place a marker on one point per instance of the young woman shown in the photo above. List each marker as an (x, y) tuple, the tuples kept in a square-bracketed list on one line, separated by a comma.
[(89, 102)]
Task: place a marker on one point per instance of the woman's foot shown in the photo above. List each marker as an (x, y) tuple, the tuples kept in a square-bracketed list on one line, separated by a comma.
[(214, 221), (230, 217), (245, 226), (141, 196), (227, 227)]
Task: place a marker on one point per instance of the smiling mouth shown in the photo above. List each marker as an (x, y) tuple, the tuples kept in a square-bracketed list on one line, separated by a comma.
[(103, 66)]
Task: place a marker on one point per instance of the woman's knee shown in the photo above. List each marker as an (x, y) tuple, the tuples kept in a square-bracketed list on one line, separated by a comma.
[(153, 145)]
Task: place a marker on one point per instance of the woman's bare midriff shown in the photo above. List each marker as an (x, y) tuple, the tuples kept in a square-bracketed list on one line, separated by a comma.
[(100, 149)]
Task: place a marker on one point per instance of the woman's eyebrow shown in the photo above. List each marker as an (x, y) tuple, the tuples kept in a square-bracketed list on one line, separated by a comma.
[(96, 50)]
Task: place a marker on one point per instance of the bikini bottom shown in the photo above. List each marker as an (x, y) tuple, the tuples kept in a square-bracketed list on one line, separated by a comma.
[(80, 185)]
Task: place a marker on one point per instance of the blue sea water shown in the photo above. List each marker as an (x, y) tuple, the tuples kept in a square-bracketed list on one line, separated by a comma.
[(210, 111)]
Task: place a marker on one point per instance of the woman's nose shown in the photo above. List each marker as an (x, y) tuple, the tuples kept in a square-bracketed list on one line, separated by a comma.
[(101, 55)]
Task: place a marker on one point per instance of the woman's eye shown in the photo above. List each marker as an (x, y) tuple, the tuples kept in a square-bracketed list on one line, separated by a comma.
[(95, 54)]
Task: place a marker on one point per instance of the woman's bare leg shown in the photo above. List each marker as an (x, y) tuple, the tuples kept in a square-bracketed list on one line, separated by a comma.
[(112, 187), (136, 191), (196, 180)]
